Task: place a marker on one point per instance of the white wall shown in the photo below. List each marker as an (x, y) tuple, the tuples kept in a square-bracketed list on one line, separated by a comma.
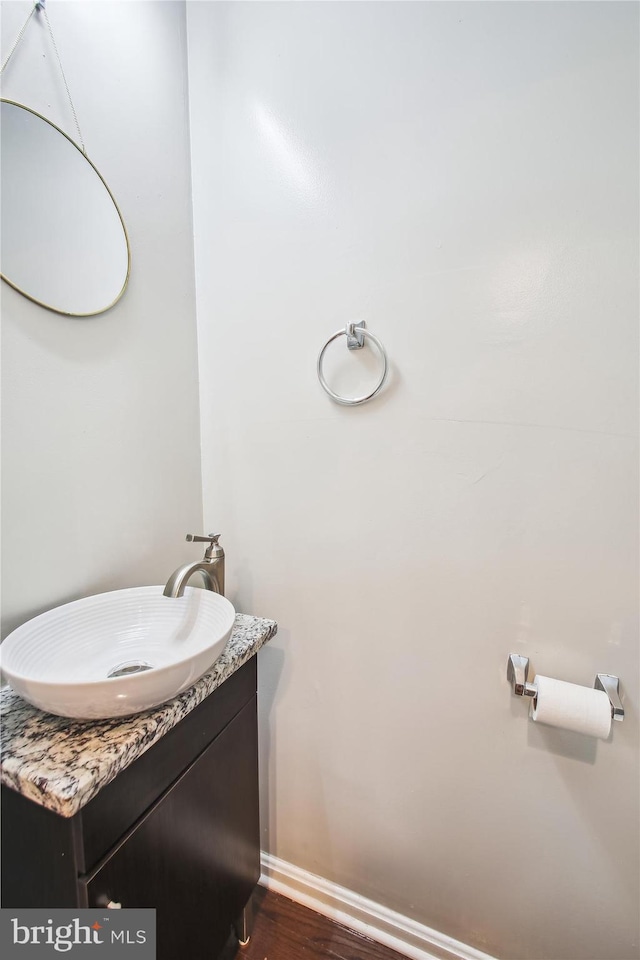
[(101, 449), (464, 178)]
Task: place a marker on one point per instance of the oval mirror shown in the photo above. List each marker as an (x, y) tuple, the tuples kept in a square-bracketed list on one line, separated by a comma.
[(64, 243)]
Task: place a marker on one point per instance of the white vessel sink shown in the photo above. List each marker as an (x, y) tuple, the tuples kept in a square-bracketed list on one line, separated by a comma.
[(116, 653)]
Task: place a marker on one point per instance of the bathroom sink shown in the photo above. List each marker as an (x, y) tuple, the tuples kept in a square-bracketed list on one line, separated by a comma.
[(116, 653)]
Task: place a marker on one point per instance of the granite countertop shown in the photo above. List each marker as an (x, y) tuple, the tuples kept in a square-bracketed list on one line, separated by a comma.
[(62, 764)]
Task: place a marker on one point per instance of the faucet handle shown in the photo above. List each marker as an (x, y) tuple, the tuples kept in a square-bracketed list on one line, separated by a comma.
[(214, 551)]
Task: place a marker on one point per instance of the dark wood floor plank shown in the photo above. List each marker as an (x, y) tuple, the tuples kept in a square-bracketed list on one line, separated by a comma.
[(284, 930)]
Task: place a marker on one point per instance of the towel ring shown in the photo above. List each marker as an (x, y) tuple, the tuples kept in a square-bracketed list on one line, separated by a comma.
[(355, 334)]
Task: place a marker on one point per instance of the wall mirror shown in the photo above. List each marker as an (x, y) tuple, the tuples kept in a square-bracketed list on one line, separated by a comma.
[(64, 242)]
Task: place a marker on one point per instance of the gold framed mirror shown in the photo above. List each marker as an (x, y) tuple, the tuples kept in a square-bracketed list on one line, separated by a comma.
[(64, 242)]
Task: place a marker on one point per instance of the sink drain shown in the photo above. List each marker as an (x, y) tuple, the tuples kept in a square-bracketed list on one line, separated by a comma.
[(131, 666)]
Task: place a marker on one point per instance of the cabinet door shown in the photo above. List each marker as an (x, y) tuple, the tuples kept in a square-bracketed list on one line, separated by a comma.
[(195, 856)]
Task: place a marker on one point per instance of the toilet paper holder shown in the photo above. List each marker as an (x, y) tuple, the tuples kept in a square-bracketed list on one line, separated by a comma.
[(518, 669)]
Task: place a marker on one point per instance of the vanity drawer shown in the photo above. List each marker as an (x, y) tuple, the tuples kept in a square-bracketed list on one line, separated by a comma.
[(118, 805)]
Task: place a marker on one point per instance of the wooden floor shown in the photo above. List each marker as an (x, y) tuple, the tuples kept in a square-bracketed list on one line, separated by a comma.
[(284, 930)]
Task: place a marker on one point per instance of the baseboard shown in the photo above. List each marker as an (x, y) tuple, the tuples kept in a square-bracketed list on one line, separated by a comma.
[(394, 930)]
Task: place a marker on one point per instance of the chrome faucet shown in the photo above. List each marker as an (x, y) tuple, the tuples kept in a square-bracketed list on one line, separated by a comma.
[(211, 567)]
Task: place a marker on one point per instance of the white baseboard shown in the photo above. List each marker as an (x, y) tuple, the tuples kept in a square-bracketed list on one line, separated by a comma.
[(394, 930)]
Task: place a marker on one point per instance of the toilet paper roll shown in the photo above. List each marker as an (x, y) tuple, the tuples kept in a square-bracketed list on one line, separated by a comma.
[(571, 707)]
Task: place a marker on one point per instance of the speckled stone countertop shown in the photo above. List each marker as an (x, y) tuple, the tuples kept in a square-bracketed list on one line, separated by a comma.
[(62, 764)]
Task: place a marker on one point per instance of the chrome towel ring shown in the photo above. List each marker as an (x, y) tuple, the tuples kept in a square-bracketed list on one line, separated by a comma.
[(355, 334)]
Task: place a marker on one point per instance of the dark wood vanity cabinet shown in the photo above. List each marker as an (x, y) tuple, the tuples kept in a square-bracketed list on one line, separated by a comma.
[(177, 830)]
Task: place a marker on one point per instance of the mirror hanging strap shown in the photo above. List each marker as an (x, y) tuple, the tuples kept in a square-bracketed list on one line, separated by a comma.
[(17, 40), (39, 5)]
